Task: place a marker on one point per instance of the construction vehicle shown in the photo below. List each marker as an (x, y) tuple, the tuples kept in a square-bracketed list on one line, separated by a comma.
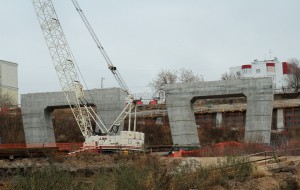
[(65, 66)]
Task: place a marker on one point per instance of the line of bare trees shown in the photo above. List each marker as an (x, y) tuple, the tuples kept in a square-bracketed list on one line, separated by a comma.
[(166, 76)]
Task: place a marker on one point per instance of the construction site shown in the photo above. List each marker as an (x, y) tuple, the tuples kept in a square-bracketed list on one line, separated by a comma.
[(224, 134), (220, 130)]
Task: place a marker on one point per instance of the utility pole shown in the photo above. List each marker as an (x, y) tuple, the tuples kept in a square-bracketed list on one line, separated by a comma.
[(201, 78), (102, 79)]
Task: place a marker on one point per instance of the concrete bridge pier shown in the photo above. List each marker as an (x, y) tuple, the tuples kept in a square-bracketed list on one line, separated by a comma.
[(259, 94), (37, 107)]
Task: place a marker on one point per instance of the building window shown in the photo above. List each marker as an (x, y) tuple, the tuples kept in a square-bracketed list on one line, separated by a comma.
[(270, 68), (248, 70), (238, 73), (257, 70), (273, 77)]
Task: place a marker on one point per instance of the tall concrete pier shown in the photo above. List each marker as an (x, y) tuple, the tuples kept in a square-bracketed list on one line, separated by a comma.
[(259, 94), (37, 108)]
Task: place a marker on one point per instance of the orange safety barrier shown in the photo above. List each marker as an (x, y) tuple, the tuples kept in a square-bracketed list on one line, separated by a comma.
[(219, 149), (178, 153)]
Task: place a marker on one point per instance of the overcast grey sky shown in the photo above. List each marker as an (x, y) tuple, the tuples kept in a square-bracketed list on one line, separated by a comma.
[(142, 37)]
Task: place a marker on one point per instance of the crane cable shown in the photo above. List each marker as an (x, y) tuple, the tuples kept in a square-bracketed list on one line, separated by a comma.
[(112, 68)]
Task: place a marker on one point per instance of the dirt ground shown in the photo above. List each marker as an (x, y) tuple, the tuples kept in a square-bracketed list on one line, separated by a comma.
[(267, 175)]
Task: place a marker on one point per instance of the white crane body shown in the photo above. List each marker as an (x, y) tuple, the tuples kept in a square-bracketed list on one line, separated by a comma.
[(127, 140), (64, 64)]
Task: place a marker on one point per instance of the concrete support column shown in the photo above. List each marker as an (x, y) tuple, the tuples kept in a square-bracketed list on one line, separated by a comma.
[(280, 120), (219, 119), (259, 112), (183, 124)]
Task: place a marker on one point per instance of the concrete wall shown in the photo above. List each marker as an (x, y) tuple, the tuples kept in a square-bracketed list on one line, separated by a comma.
[(219, 119), (258, 92), (9, 80), (36, 111), (280, 120)]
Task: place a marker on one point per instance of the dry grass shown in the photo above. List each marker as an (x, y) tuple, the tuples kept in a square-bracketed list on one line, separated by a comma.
[(258, 173), (146, 172)]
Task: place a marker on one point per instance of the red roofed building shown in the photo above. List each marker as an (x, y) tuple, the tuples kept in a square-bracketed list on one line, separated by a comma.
[(267, 68)]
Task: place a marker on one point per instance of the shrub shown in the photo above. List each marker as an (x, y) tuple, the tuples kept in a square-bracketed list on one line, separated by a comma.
[(45, 178), (192, 175), (147, 172)]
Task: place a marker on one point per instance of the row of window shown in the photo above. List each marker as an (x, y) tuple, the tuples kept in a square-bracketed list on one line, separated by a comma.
[(249, 70)]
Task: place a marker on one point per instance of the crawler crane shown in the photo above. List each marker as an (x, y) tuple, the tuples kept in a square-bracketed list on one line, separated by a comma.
[(64, 64), (130, 99)]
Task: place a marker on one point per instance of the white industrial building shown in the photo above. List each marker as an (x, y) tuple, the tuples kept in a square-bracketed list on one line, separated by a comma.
[(9, 80), (266, 68)]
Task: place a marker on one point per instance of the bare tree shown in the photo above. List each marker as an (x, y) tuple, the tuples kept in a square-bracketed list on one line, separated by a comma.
[(229, 76), (162, 78), (293, 78), (188, 76), (170, 77), (5, 100)]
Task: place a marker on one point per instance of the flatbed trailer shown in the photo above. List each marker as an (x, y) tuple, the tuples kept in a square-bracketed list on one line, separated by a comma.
[(12, 153)]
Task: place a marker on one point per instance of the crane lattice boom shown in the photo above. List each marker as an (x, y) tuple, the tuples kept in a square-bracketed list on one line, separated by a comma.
[(64, 64)]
